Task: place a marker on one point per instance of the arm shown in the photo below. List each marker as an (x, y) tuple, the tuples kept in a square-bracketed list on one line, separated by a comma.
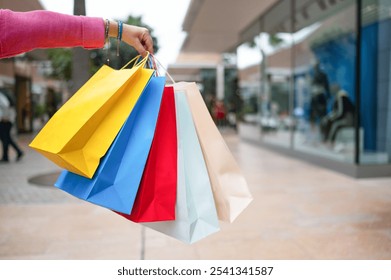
[(23, 31)]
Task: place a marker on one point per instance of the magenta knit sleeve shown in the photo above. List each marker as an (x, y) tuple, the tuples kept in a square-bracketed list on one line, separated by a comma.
[(23, 31)]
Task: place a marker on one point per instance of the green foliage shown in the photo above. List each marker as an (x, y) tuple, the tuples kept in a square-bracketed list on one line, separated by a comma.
[(208, 80), (61, 63), (126, 52), (275, 40), (39, 110), (251, 44)]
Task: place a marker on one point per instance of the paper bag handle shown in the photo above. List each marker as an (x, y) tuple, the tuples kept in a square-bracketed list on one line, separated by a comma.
[(165, 70), (136, 63)]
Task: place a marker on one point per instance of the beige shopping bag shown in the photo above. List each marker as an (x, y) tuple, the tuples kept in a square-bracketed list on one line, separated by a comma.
[(229, 187)]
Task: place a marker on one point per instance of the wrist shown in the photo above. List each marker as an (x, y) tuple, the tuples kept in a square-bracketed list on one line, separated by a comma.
[(113, 29)]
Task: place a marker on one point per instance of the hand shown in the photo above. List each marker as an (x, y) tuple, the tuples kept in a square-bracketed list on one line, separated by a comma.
[(135, 36), (139, 38)]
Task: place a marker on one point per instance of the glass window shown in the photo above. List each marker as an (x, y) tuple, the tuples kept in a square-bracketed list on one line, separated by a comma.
[(248, 86), (264, 78), (276, 69), (324, 78), (301, 90), (375, 99)]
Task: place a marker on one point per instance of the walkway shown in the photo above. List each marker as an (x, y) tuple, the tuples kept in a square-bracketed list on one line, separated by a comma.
[(300, 211)]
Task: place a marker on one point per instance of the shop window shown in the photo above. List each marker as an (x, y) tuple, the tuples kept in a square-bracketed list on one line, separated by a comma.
[(324, 78)]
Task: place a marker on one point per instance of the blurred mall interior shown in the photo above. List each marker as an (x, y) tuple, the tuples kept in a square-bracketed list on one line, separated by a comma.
[(308, 78)]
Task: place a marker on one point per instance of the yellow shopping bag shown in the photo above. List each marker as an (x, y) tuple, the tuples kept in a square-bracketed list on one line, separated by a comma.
[(82, 130)]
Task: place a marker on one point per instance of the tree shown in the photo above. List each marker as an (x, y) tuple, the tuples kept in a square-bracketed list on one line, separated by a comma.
[(80, 56), (126, 52), (61, 60)]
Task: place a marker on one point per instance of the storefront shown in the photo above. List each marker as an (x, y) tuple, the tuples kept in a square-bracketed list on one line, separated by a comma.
[(320, 88)]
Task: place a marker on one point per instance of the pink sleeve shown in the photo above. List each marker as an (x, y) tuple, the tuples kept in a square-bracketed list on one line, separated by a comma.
[(23, 31)]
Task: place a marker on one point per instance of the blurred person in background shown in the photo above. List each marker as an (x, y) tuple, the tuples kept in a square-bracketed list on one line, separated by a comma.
[(341, 116), (219, 113), (4, 103), (319, 95), (7, 118)]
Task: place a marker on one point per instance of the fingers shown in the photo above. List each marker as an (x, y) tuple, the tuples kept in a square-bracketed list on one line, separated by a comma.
[(146, 41), (139, 38), (140, 48)]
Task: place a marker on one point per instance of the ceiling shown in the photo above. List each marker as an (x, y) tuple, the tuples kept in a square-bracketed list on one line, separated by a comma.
[(215, 25), (221, 25)]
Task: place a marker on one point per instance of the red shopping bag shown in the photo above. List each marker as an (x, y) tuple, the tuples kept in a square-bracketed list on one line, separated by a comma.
[(156, 196)]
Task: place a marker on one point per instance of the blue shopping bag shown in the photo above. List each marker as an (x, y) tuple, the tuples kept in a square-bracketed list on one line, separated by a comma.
[(115, 183), (196, 215)]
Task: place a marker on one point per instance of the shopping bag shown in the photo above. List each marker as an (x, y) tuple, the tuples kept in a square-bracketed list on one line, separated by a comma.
[(82, 130), (117, 179), (229, 186), (196, 215), (156, 196)]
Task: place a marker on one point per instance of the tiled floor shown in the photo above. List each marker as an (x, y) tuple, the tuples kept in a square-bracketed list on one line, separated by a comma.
[(300, 211)]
